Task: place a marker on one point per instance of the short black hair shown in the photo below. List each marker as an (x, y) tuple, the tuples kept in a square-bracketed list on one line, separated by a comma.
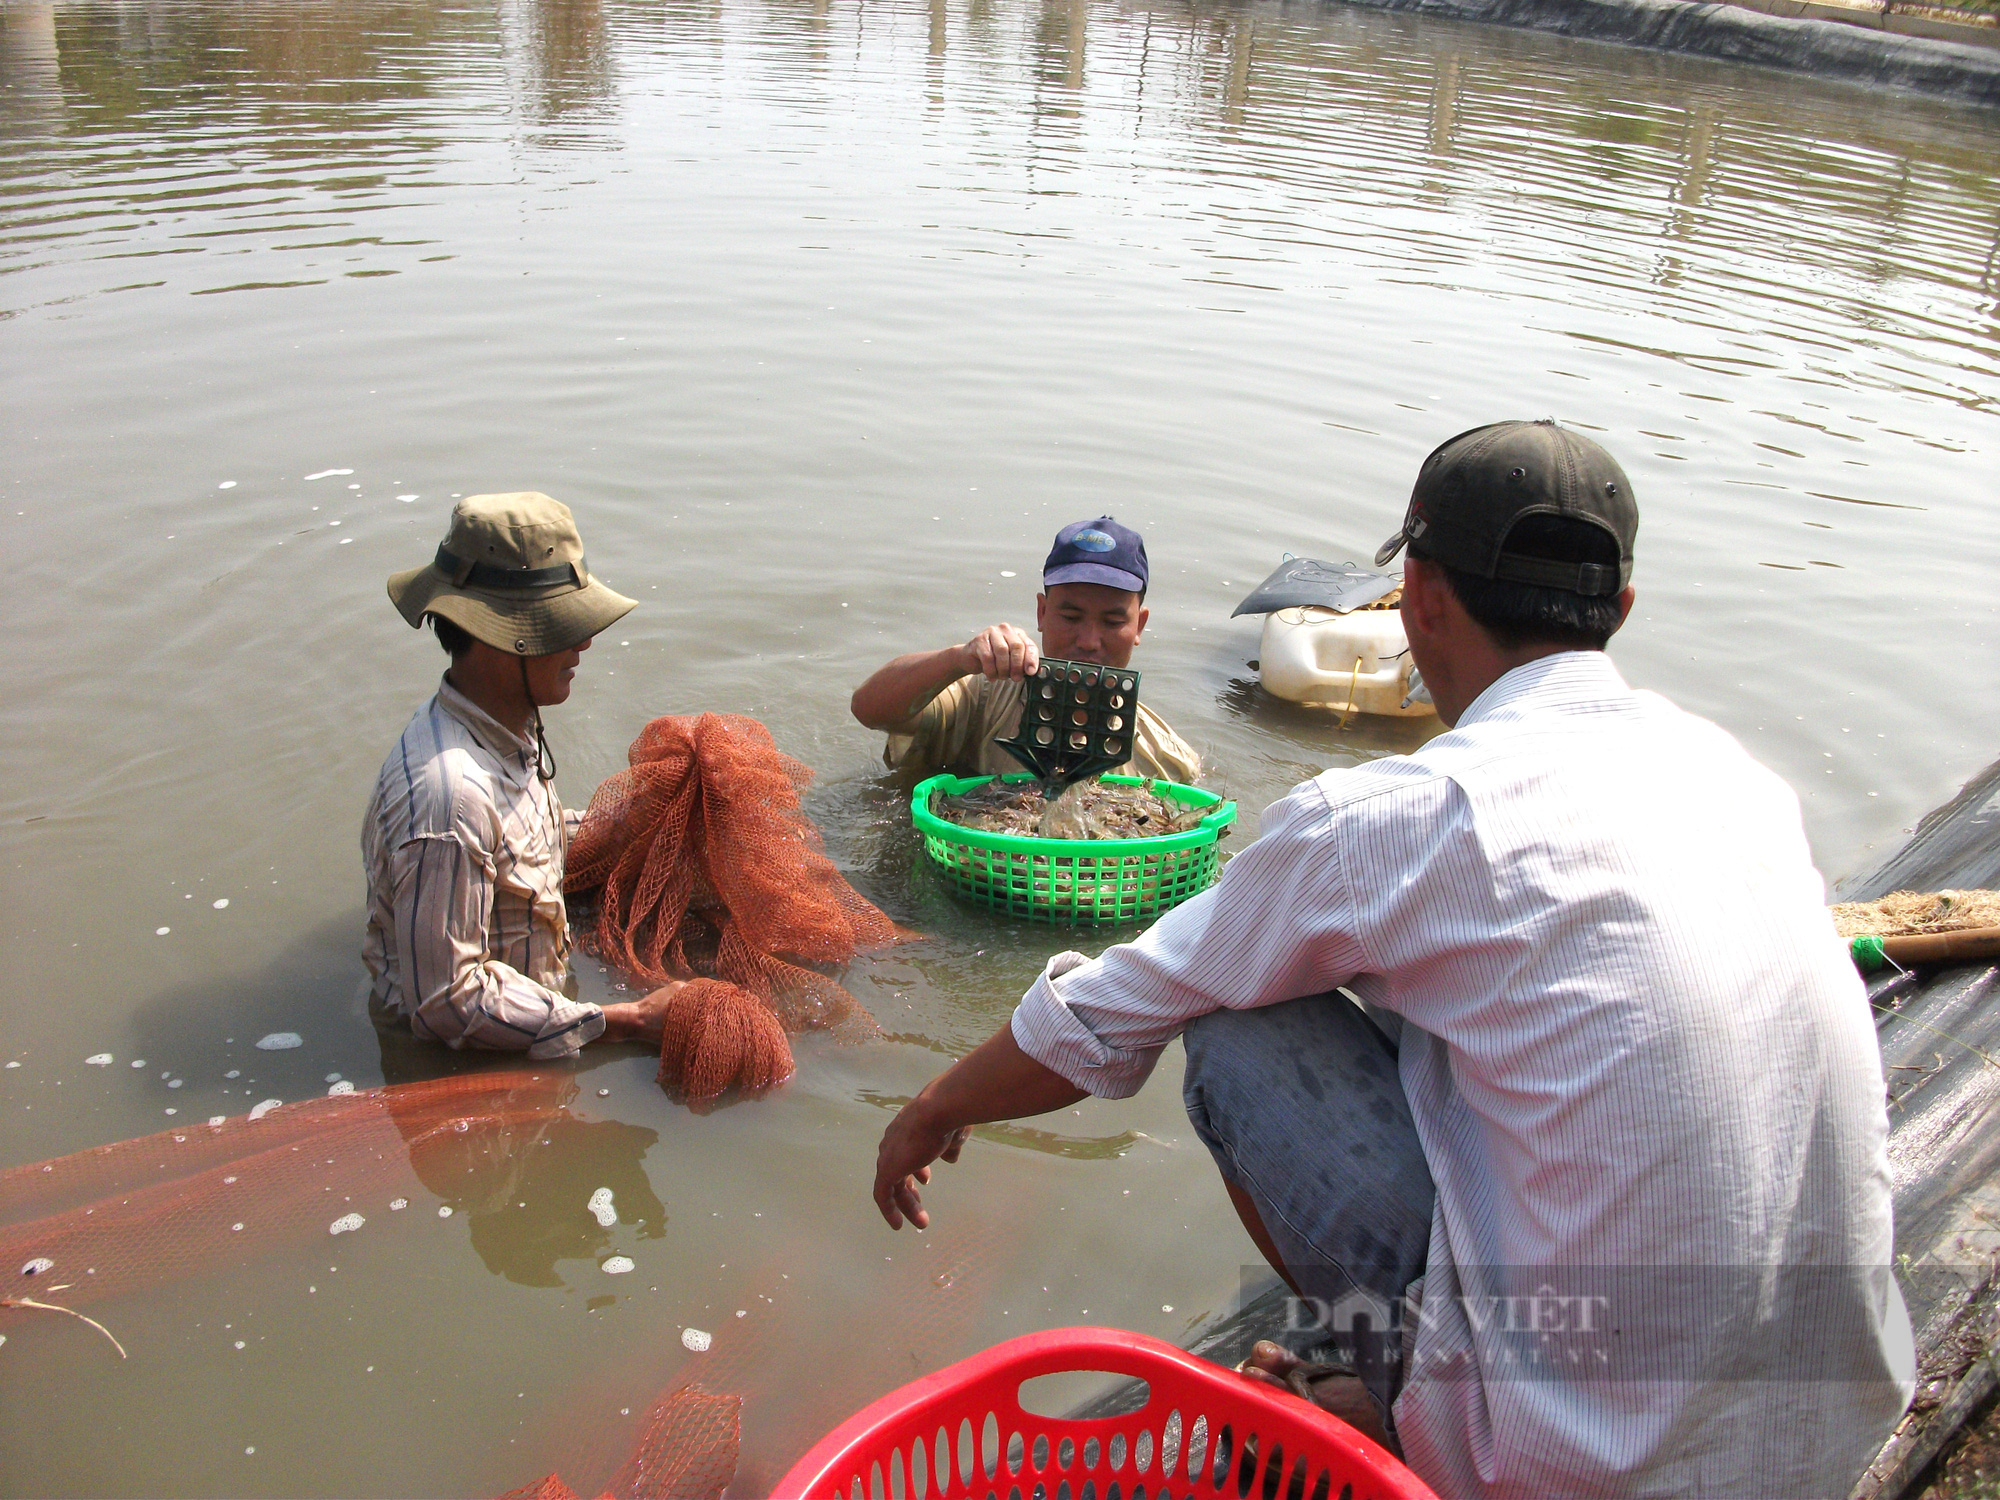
[(454, 639), (1523, 614)]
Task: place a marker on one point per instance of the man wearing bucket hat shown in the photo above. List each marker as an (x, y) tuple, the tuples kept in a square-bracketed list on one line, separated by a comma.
[(944, 709), (1529, 1059), (468, 940)]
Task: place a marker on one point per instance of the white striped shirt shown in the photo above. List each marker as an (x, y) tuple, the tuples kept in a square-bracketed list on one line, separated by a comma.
[(464, 844), (1634, 1052)]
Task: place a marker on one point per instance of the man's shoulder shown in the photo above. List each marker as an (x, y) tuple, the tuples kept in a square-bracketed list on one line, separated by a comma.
[(1593, 759), (1389, 785), (434, 772)]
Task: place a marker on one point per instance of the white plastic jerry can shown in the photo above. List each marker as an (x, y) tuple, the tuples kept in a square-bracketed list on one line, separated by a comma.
[(1355, 662)]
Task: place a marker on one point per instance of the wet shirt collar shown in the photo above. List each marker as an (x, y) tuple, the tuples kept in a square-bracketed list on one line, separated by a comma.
[(502, 743)]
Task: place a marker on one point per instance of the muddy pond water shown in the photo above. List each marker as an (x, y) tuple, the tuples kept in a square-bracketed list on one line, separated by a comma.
[(823, 316)]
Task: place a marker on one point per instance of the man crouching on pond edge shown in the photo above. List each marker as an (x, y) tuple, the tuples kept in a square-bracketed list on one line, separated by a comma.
[(464, 840), (1530, 1058), (943, 709)]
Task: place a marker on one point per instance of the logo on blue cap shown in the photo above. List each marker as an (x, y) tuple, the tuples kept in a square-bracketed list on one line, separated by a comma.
[(1099, 551)]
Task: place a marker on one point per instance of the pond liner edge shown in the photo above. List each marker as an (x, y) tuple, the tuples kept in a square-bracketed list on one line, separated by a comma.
[(1958, 71)]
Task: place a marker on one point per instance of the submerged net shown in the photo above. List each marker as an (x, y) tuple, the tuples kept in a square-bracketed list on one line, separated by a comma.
[(205, 1199), (687, 1450), (737, 1417), (698, 860)]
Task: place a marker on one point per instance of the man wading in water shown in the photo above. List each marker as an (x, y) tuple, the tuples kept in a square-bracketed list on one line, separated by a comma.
[(468, 941), (943, 709), (1592, 1181)]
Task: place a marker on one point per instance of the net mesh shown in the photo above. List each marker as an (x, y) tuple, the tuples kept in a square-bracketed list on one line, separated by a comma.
[(737, 1417), (199, 1199), (697, 860), (719, 1037), (207, 1201)]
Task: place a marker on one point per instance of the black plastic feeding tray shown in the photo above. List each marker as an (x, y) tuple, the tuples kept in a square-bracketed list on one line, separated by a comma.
[(1079, 720)]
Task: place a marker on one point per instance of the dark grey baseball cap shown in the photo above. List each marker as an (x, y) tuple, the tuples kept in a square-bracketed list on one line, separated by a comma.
[(1474, 487)]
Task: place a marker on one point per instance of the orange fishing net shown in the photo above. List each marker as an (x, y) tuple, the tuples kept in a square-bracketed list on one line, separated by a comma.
[(739, 1416), (687, 1450), (206, 1198), (698, 860), (720, 1037), (209, 1200)]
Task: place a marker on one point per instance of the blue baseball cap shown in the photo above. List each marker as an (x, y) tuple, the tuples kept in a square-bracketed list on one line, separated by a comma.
[(1099, 551)]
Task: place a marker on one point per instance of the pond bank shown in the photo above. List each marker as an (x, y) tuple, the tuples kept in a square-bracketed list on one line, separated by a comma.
[(1960, 71)]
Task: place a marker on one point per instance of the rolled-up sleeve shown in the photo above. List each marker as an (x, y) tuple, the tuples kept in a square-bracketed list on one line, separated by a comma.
[(1279, 925), (442, 900)]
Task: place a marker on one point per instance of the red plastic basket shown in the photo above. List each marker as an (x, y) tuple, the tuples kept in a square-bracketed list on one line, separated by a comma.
[(962, 1434)]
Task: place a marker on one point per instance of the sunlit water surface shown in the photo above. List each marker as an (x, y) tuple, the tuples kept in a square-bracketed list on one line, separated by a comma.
[(823, 317)]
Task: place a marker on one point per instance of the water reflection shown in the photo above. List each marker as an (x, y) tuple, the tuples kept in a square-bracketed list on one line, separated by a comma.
[(1318, 732), (1444, 105), (1242, 49), (521, 1168), (1025, 207), (568, 47), (318, 117), (30, 62), (322, 57)]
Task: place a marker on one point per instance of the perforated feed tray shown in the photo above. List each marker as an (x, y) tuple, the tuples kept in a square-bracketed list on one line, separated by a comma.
[(1077, 719), (1078, 881)]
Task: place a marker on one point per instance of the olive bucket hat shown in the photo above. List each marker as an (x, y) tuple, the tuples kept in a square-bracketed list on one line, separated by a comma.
[(510, 572)]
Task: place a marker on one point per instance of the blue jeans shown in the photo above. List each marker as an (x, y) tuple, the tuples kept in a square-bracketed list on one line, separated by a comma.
[(1302, 1108)]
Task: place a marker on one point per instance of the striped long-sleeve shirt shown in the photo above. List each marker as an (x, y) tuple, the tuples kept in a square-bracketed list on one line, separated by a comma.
[(464, 845), (1641, 1067)]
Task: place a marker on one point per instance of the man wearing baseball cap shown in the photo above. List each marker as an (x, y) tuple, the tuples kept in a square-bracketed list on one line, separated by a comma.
[(1529, 1059), (943, 709), (468, 939)]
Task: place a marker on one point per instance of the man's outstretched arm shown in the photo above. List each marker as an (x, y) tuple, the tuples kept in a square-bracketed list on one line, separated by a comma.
[(898, 692), (996, 1081)]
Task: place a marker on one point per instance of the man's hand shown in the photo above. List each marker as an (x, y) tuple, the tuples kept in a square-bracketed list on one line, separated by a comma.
[(642, 1020), (899, 691), (1002, 652), (903, 1161), (995, 1081)]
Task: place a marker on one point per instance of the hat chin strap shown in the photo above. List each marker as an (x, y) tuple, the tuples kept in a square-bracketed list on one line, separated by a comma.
[(545, 758)]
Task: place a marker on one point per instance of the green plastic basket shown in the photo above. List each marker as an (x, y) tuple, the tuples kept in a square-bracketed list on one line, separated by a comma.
[(1083, 881)]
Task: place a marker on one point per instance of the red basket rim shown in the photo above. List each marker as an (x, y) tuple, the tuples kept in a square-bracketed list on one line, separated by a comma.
[(857, 1441)]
